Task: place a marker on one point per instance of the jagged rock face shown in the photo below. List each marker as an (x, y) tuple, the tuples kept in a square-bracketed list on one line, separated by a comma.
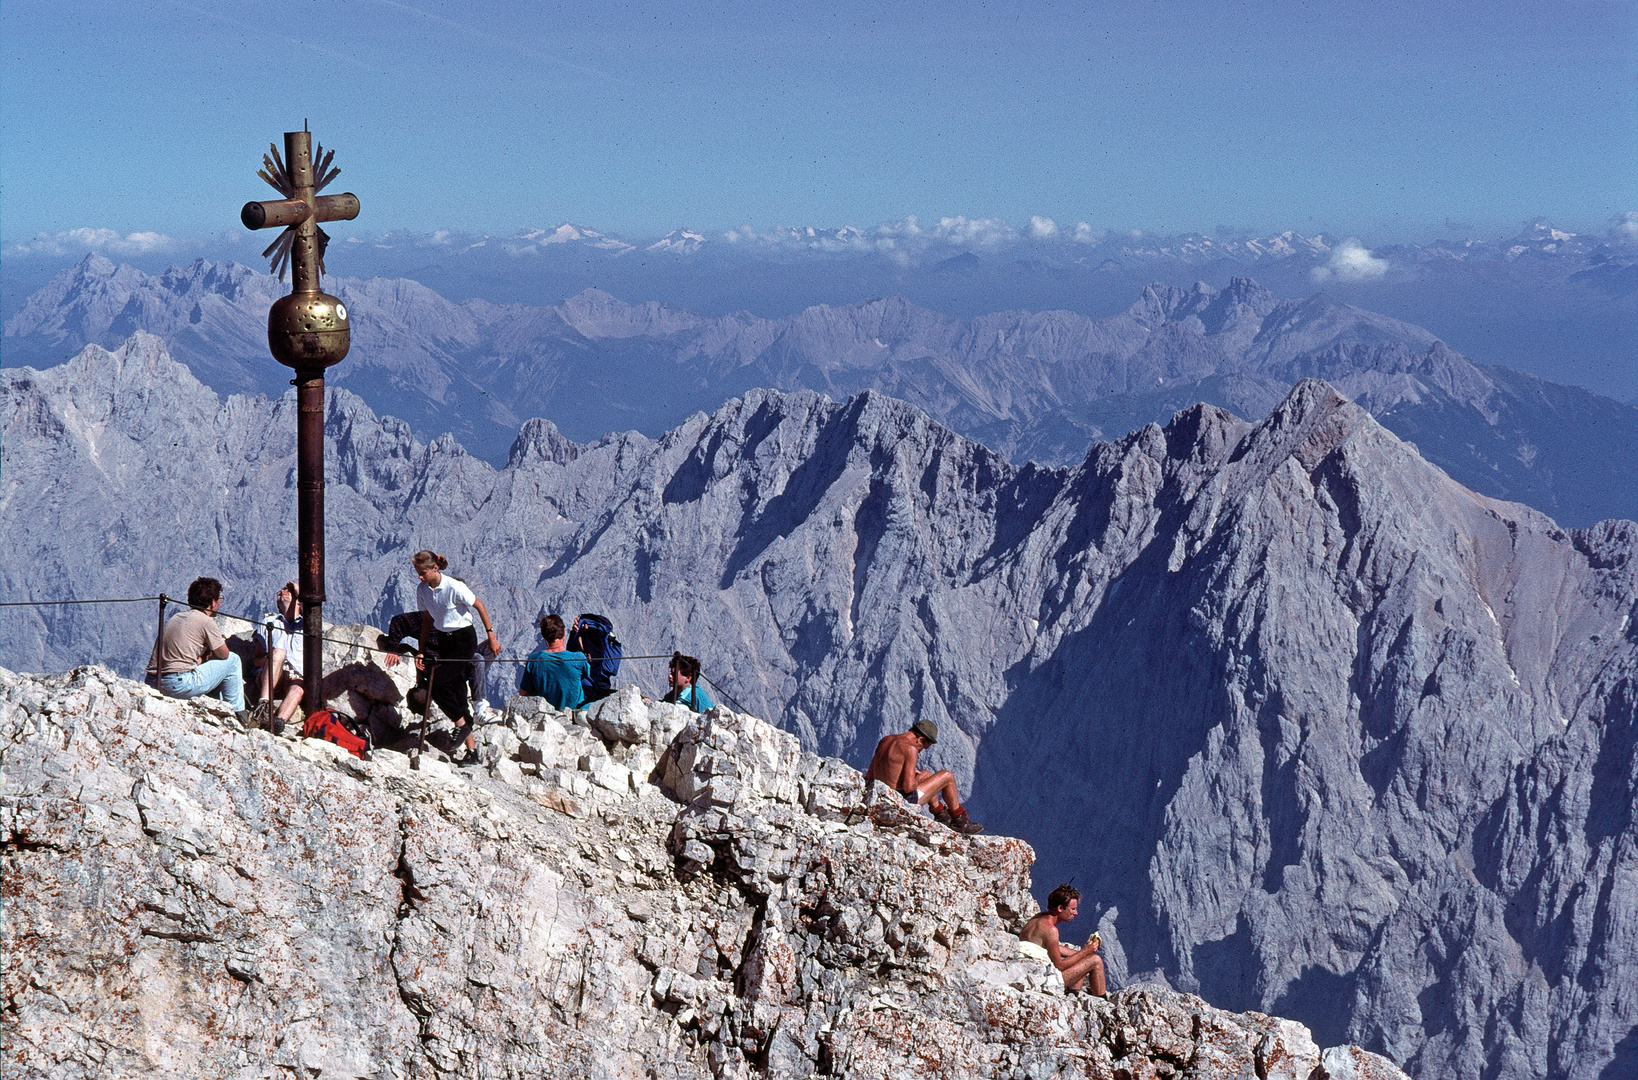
[(1315, 729), (1030, 385), (184, 898)]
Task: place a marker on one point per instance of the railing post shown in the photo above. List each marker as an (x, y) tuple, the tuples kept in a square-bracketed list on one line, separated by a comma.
[(159, 637), (426, 710), (270, 677)]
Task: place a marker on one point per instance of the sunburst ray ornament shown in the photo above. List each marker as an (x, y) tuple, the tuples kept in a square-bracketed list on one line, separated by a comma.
[(278, 178)]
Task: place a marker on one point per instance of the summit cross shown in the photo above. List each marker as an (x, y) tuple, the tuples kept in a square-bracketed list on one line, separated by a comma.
[(308, 331)]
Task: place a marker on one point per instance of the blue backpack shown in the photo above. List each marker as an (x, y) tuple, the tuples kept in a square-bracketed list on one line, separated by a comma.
[(594, 636)]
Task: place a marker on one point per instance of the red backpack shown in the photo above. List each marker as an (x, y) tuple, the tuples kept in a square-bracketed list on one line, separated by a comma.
[(327, 725)]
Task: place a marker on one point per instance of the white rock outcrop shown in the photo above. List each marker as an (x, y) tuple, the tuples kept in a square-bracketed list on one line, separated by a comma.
[(188, 899)]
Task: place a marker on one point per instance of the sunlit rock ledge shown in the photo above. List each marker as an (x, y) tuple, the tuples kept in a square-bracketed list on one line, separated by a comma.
[(660, 895)]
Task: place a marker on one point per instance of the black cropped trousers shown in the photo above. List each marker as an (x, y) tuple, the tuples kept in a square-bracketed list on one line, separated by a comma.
[(454, 649)]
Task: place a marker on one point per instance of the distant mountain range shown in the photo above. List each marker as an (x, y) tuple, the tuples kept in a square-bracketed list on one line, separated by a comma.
[(1315, 729), (1550, 302), (1032, 385)]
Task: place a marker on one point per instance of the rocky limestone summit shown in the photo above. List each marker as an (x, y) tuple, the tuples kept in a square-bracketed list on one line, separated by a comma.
[(655, 894), (1318, 731)]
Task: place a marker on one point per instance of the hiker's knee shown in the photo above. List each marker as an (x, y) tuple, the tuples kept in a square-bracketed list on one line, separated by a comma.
[(1095, 979)]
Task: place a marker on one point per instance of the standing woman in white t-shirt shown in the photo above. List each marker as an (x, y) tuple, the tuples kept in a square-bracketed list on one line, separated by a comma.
[(448, 634)]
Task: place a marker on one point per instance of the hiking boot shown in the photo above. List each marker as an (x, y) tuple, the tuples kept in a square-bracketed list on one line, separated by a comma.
[(941, 814), (260, 715), (961, 823), (243, 716), (465, 757)]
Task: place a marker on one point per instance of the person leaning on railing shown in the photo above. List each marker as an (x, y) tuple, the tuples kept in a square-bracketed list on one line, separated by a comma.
[(448, 636), (684, 678)]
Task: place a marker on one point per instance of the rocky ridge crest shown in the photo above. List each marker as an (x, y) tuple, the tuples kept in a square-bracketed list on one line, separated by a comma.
[(186, 898), (1031, 385)]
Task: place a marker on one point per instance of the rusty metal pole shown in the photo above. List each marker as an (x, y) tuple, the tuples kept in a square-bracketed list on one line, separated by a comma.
[(310, 528), (307, 331), (304, 276)]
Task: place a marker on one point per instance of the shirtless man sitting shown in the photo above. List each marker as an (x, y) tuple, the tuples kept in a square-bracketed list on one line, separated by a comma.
[(1076, 964), (894, 764)]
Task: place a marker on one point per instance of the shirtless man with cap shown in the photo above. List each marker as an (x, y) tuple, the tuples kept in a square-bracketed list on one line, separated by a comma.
[(894, 764)]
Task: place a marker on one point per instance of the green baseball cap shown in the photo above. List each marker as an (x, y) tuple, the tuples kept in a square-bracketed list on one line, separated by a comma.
[(926, 729)]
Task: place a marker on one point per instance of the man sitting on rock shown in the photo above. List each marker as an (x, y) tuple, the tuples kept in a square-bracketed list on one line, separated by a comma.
[(1039, 941), (556, 673), (191, 656), (894, 764)]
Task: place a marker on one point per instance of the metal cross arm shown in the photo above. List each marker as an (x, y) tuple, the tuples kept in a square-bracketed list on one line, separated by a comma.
[(277, 212)]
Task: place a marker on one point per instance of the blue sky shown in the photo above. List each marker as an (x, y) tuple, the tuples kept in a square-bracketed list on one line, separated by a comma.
[(1386, 120)]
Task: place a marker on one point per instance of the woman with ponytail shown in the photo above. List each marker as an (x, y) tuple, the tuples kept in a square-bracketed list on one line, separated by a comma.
[(448, 635)]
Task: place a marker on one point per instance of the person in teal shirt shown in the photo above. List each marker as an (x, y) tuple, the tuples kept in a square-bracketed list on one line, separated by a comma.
[(555, 673), (684, 679)]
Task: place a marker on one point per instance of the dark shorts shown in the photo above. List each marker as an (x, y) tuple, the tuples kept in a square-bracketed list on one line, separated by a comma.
[(912, 794)]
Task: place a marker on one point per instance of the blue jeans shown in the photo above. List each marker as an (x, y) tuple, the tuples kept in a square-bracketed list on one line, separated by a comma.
[(227, 674)]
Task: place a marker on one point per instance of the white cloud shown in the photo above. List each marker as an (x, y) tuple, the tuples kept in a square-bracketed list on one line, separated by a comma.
[(987, 233), (1626, 227), (1042, 228), (907, 227), (845, 239), (76, 241), (904, 241), (1086, 234), (1350, 261)]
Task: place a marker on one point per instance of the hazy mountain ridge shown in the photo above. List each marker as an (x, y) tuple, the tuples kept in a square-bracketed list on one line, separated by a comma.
[(1316, 729), (1547, 301), (1536, 239), (1039, 385)]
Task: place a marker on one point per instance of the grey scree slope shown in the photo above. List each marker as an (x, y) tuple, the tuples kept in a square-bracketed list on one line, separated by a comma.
[(1315, 729)]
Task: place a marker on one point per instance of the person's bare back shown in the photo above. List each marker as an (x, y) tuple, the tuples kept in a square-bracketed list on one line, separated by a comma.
[(894, 764)]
